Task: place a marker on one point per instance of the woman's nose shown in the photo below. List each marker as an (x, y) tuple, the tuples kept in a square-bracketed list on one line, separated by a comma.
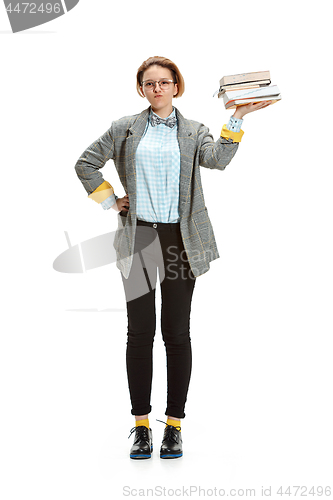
[(159, 88)]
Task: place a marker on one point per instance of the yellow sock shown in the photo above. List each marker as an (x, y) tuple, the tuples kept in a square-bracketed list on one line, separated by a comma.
[(144, 422), (175, 423)]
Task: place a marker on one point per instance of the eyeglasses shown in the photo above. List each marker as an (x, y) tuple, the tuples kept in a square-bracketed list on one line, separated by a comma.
[(151, 84)]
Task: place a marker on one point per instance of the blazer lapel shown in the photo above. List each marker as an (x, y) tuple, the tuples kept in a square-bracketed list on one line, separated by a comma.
[(139, 126), (133, 138), (187, 144)]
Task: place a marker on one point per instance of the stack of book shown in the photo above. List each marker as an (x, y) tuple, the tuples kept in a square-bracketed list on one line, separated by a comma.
[(238, 90)]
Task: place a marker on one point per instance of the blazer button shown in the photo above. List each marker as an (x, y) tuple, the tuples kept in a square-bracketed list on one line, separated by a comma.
[(155, 226)]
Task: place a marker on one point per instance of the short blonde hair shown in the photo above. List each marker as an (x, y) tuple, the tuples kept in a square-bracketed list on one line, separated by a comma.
[(164, 63)]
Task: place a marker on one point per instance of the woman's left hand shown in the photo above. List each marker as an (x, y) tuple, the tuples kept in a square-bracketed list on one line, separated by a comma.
[(248, 108)]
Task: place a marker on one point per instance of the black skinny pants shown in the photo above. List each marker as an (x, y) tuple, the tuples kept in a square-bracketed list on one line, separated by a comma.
[(159, 248)]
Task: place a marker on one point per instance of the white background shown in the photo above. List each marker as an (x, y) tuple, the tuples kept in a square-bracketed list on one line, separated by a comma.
[(259, 410)]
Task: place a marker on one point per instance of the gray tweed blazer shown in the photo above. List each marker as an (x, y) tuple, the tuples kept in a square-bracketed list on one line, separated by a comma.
[(197, 148)]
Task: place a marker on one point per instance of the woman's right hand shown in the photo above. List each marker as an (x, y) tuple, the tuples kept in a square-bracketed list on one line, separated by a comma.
[(122, 204)]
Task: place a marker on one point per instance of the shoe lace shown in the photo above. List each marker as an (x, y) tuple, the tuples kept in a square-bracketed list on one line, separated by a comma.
[(169, 431), (142, 429), (132, 430)]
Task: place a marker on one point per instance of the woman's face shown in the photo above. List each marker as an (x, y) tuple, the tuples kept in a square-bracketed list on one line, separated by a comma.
[(160, 100)]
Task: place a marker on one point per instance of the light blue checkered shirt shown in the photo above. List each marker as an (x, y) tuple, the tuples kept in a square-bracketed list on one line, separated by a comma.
[(158, 172)]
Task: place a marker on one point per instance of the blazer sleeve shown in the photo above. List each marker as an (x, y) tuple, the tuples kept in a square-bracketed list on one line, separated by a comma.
[(220, 153), (91, 161)]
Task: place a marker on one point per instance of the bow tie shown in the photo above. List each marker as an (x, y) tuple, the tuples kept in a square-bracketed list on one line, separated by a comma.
[(169, 122)]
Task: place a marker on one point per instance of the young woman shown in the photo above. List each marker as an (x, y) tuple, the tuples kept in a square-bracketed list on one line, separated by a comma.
[(163, 224)]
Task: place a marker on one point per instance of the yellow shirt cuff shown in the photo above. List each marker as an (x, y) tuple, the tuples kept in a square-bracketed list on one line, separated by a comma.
[(102, 192), (228, 134)]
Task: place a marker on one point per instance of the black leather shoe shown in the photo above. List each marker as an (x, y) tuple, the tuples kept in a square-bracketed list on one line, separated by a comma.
[(172, 444), (143, 442)]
